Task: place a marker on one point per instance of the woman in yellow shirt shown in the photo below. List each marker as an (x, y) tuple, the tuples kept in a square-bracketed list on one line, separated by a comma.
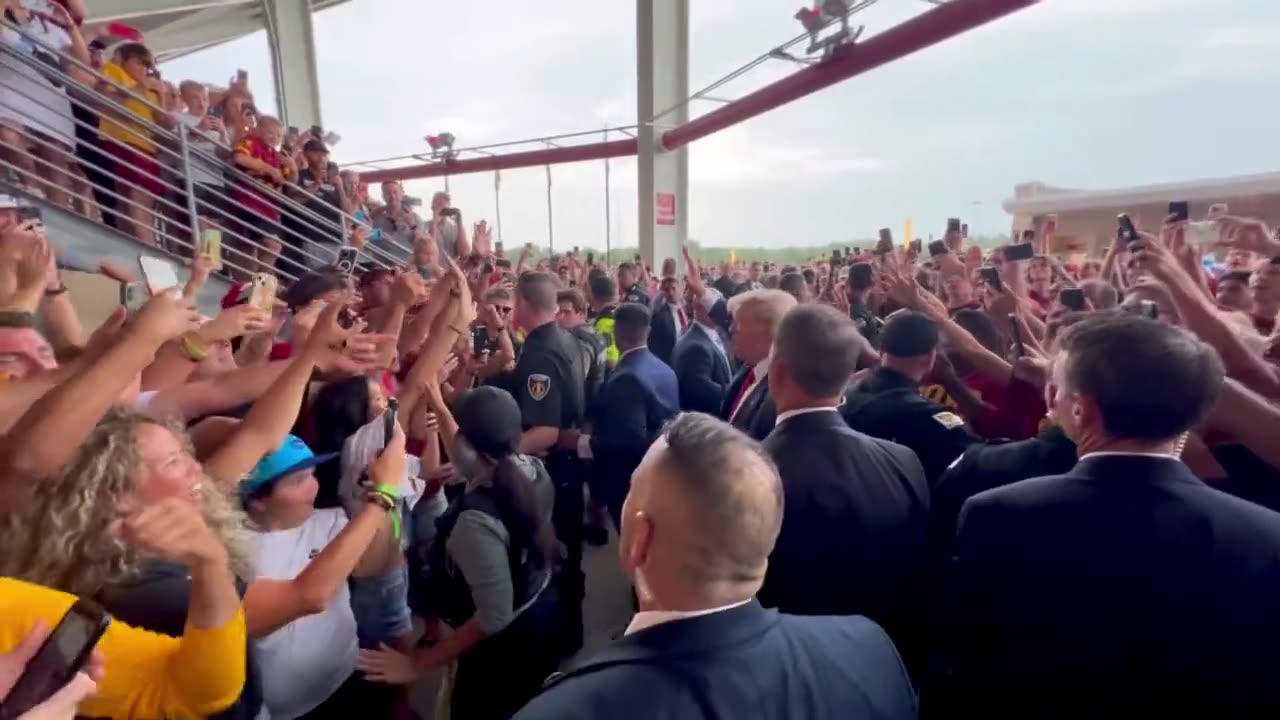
[(147, 675)]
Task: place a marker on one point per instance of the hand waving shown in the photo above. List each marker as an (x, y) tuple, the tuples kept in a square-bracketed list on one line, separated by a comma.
[(167, 315), (174, 529)]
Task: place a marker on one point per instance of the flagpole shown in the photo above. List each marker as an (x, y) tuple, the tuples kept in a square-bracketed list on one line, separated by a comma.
[(497, 201), (608, 222), (551, 237)]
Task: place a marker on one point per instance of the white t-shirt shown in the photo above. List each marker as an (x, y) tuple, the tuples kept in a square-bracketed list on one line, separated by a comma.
[(304, 662)]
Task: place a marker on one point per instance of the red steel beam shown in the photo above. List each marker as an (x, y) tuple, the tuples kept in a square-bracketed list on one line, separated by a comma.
[(928, 28), (532, 158)]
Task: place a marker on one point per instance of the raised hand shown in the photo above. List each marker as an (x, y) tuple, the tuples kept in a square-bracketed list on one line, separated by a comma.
[(33, 268), (327, 331), (1238, 233), (389, 467), (201, 268), (234, 322), (482, 239), (408, 290), (174, 529), (167, 315)]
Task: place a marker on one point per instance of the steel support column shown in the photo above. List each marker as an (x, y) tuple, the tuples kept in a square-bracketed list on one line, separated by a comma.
[(662, 74), (293, 59)]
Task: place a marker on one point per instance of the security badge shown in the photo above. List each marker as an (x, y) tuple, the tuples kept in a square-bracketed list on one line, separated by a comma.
[(948, 420), (539, 386)]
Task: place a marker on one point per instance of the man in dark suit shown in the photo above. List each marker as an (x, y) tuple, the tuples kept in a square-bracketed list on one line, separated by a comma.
[(854, 529), (1127, 583), (637, 399), (725, 284), (700, 358), (697, 528), (669, 320), (756, 315)]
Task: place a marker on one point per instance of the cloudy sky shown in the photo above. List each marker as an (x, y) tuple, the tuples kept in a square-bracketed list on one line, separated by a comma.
[(1076, 93)]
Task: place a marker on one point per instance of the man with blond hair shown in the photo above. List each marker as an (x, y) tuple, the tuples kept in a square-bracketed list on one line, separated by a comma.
[(756, 316)]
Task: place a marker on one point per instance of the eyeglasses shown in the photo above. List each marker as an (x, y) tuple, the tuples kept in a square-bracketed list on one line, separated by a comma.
[(504, 309)]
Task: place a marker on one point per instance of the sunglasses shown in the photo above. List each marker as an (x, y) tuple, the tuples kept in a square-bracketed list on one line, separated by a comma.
[(504, 309)]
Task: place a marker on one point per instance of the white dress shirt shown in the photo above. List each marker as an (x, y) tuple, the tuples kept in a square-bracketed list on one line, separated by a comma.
[(1104, 453), (651, 618), (802, 411)]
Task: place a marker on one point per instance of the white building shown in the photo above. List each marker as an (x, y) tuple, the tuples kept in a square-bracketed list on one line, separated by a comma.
[(1087, 218)]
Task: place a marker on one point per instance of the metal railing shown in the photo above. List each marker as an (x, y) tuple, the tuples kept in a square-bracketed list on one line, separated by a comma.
[(86, 167)]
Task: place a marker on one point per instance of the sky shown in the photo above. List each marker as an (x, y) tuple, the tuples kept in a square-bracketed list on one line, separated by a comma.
[(1088, 94)]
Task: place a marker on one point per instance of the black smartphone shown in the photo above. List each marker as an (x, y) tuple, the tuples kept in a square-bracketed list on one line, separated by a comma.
[(346, 261), (1072, 299), (953, 225), (389, 421), (886, 240), (964, 230), (917, 246), (1128, 233), (503, 263), (991, 276), (497, 248), (479, 340), (1180, 210), (1015, 332), (937, 247), (861, 276), (1019, 251), (63, 654)]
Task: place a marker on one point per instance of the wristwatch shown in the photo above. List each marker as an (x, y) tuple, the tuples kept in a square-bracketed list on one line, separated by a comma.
[(50, 292)]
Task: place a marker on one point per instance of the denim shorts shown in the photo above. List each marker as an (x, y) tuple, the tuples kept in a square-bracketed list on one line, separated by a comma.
[(381, 607)]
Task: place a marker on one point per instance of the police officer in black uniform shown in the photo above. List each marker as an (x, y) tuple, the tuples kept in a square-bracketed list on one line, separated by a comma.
[(547, 383), (888, 403), (629, 281)]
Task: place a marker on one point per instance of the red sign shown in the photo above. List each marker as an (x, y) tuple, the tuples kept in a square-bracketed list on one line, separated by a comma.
[(665, 204)]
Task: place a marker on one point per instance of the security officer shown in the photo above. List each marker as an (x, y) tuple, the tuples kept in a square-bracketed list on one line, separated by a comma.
[(629, 281), (888, 403), (547, 383), (859, 285), (604, 301)]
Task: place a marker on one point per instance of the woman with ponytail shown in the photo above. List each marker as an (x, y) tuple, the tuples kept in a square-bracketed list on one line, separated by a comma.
[(491, 567)]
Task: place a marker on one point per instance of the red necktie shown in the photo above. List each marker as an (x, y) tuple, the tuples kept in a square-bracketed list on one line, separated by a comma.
[(680, 317), (742, 392)]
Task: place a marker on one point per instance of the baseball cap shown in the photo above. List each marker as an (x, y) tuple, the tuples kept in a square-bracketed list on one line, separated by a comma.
[(315, 145), (489, 419), (292, 456)]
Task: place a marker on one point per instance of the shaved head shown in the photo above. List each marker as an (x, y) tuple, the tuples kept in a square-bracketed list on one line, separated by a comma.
[(702, 516)]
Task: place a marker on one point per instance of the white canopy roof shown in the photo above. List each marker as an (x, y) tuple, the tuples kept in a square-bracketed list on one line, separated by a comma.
[(1040, 199)]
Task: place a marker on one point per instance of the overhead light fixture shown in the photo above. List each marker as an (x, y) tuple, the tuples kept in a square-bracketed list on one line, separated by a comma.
[(815, 19), (441, 145)]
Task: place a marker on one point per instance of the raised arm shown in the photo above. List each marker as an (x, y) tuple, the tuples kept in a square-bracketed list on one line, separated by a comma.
[(50, 431)]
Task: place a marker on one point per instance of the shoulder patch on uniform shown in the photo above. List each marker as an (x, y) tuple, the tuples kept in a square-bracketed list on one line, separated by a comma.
[(539, 385), (947, 420)]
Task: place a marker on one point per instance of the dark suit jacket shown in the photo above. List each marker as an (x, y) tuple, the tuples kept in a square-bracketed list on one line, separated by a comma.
[(1125, 584), (986, 467), (725, 286), (854, 528), (758, 413), (702, 370), (631, 408), (745, 662), (663, 331)]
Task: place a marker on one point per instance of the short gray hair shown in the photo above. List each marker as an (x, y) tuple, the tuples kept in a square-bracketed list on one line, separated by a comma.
[(775, 304)]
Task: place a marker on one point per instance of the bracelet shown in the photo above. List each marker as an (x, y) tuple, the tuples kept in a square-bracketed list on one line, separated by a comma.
[(386, 497), (62, 288), (193, 348), (17, 319), (455, 329)]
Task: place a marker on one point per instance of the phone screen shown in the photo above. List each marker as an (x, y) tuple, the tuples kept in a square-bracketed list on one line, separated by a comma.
[(389, 421), (1072, 299), (211, 245), (991, 276), (1019, 251), (1179, 210), (160, 274), (62, 655), (1128, 233)]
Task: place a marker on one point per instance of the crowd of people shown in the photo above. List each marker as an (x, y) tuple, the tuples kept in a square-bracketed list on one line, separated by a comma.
[(916, 480), (90, 123), (881, 483)]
